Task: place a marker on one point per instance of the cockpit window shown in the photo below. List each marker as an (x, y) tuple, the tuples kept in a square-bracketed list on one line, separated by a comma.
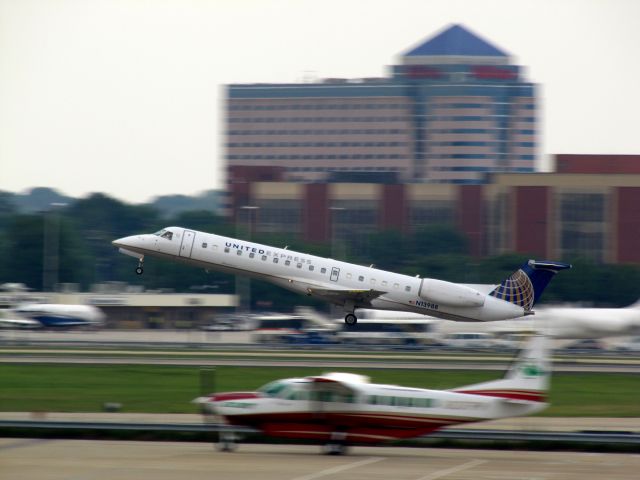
[(164, 234), (272, 389)]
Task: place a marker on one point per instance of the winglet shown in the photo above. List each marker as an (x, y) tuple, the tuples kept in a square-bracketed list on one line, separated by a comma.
[(525, 286)]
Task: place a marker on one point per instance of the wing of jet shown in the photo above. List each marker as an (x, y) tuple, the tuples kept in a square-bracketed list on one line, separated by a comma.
[(347, 297), (342, 295), (6, 322)]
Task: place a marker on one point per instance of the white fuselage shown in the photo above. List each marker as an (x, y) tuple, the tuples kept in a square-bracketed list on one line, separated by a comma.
[(345, 405), (567, 323), (588, 322), (369, 412), (54, 315), (324, 277)]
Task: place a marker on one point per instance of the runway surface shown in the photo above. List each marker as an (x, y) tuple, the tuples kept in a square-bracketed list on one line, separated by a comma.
[(531, 424), (34, 459)]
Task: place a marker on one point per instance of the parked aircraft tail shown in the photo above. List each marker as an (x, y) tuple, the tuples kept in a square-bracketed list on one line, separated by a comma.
[(525, 285), (527, 381), (635, 304)]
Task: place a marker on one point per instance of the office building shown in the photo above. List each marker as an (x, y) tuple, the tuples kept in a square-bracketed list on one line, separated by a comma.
[(454, 109)]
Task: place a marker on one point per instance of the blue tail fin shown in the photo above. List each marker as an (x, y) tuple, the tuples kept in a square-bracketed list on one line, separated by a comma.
[(526, 284)]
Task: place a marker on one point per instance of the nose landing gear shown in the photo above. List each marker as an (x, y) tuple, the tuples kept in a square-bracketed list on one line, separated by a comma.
[(139, 268)]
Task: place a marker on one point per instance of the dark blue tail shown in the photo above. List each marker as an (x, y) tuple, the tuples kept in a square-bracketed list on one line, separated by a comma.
[(526, 284)]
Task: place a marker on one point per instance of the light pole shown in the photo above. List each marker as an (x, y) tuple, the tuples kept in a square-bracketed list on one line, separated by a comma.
[(243, 284), (335, 252), (51, 247)]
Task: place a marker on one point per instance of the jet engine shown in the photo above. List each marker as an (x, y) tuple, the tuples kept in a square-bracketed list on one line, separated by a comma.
[(450, 294)]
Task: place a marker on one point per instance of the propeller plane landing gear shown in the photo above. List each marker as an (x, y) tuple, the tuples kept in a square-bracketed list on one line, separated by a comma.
[(337, 445), (227, 442)]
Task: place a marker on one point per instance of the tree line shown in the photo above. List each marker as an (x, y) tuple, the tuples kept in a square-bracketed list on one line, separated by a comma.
[(84, 230)]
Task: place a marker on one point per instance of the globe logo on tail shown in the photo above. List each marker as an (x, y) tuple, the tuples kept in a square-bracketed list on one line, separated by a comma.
[(516, 289)]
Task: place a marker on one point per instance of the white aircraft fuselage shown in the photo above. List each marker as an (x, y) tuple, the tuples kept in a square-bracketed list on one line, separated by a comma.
[(341, 408), (55, 315), (346, 284), (565, 322)]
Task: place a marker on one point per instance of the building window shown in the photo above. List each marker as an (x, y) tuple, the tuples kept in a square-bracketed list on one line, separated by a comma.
[(582, 224)]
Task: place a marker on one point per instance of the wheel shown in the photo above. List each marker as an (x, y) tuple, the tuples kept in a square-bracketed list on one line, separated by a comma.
[(334, 448), (350, 319), (226, 446), (226, 442), (337, 445), (139, 270)]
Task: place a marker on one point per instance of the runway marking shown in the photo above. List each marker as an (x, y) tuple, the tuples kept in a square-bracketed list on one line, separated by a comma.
[(340, 468), (447, 471), (25, 443)]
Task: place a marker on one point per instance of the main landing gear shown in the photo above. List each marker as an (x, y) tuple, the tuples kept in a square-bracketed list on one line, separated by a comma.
[(337, 445), (350, 319)]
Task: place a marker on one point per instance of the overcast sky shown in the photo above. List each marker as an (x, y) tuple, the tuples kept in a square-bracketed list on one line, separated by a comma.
[(125, 96)]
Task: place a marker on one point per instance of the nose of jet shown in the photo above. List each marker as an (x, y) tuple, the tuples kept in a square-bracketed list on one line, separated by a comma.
[(131, 242)]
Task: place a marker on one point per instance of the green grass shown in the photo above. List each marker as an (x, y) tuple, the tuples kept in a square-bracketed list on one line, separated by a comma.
[(169, 389)]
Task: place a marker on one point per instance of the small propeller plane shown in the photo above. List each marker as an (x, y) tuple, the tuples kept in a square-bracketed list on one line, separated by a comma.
[(345, 284), (338, 409)]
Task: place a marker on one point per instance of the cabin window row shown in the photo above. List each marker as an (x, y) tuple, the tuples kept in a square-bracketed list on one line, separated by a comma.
[(287, 262), (323, 270), (401, 401), (320, 396), (384, 400)]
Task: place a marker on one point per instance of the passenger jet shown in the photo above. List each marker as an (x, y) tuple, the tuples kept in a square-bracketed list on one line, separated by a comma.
[(53, 316), (338, 409), (345, 284)]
